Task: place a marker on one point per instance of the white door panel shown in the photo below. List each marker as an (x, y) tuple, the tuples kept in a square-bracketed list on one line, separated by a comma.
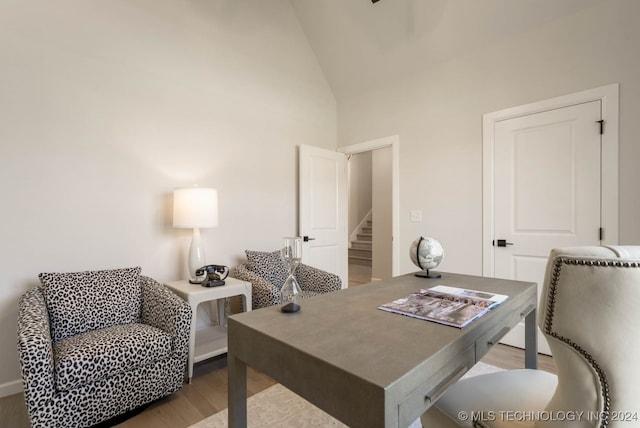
[(547, 190), (323, 209)]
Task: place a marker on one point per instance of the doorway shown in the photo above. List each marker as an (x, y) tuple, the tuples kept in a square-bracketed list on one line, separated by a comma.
[(550, 180), (373, 209), (370, 215)]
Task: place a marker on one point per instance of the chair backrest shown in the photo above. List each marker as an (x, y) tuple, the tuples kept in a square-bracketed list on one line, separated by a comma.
[(590, 314), (81, 301), (268, 265)]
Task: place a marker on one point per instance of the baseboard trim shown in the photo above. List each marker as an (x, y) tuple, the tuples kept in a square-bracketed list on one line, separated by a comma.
[(11, 388)]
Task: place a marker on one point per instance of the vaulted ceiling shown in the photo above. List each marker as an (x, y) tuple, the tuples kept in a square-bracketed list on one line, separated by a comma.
[(360, 44)]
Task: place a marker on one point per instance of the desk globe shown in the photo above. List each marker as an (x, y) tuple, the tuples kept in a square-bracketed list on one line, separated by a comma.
[(426, 253)]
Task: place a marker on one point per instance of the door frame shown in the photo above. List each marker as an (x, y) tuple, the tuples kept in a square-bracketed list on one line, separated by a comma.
[(609, 97), (392, 141)]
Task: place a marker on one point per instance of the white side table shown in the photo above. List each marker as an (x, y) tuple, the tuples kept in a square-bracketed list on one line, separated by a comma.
[(211, 341)]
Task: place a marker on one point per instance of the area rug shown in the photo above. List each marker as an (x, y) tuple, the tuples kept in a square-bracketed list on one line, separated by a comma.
[(276, 406)]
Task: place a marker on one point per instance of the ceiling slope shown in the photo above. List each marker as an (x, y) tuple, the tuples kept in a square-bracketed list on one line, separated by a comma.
[(360, 44)]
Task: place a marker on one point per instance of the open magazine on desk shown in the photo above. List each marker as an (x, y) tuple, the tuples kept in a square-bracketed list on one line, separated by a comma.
[(452, 306)]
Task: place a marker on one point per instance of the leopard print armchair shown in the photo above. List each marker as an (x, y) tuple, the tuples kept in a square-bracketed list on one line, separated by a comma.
[(267, 273), (93, 345)]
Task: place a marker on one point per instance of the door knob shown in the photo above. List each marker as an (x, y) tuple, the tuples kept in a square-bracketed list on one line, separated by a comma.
[(307, 239), (501, 243)]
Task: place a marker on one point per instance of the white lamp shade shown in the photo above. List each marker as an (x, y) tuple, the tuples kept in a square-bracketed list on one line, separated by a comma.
[(195, 207)]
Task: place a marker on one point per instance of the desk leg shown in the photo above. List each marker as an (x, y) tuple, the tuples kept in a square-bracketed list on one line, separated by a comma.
[(237, 392), (530, 341)]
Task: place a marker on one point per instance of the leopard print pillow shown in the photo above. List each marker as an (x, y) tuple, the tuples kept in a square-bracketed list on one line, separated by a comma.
[(268, 265), (83, 301)]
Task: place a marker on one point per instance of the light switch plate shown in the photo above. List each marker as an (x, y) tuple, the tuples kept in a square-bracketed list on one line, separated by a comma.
[(416, 216)]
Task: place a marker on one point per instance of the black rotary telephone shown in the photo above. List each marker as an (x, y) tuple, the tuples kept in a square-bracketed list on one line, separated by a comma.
[(210, 275)]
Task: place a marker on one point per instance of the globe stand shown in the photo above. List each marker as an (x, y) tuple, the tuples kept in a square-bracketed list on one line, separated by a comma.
[(428, 275)]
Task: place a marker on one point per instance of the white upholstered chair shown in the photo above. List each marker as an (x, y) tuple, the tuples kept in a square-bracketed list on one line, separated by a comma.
[(590, 314)]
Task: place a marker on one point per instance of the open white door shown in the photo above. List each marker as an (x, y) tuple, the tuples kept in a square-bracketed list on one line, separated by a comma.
[(323, 209)]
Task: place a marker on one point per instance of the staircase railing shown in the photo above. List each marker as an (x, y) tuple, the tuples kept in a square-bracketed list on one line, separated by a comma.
[(353, 236)]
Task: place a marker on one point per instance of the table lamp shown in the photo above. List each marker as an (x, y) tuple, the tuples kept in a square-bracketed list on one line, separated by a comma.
[(196, 208)]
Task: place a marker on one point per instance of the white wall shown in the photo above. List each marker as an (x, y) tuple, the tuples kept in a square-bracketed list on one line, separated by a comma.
[(359, 188), (382, 202), (437, 112), (107, 106)]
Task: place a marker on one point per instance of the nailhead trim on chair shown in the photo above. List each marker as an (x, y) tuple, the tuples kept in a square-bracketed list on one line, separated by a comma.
[(548, 325), (551, 301)]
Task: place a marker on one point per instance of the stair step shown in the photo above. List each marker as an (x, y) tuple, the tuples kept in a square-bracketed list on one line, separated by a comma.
[(359, 261), (364, 236), (355, 252), (366, 229), (361, 245)]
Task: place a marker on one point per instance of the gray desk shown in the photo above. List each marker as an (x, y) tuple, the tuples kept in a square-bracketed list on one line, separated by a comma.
[(366, 367)]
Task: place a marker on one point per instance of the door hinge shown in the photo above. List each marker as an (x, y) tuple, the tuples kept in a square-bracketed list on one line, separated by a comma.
[(601, 234), (601, 122)]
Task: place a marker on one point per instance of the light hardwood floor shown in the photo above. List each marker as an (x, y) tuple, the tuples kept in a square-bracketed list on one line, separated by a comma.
[(359, 274)]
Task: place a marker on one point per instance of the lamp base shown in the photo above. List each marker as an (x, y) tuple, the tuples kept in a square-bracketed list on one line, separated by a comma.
[(196, 255), (428, 275)]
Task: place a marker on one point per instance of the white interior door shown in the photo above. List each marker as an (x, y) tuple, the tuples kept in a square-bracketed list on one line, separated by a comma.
[(323, 209), (547, 191)]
